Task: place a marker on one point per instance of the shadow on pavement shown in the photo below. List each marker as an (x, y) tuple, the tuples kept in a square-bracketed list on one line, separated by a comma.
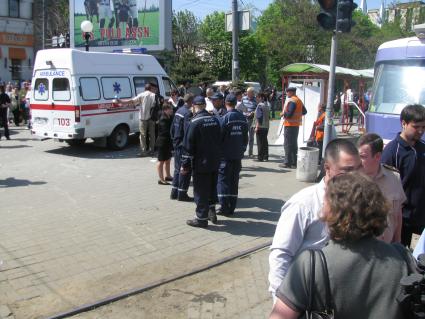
[(246, 228), (91, 151), (13, 182), (270, 216), (272, 205), (247, 175), (264, 169), (14, 146)]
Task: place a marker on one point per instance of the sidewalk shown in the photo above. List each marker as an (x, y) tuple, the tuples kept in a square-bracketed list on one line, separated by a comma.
[(237, 290), (82, 224)]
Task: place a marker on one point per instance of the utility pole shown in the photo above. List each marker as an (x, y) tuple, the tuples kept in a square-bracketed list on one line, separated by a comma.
[(235, 41), (331, 89)]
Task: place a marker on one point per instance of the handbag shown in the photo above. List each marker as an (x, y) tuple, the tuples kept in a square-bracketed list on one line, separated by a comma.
[(328, 313)]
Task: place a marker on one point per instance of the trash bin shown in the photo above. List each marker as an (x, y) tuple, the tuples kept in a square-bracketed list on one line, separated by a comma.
[(307, 159)]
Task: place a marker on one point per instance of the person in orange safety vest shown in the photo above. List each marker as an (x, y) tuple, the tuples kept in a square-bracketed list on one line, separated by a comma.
[(293, 111), (319, 125)]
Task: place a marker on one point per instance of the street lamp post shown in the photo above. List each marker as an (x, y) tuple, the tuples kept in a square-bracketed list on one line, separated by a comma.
[(87, 28)]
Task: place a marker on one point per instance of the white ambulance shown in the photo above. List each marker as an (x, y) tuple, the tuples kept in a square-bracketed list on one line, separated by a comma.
[(73, 93)]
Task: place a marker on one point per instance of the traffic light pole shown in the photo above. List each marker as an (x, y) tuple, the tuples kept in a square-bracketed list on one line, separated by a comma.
[(331, 89)]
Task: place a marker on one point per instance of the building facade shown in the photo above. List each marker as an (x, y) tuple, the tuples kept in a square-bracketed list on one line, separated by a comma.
[(408, 14), (16, 40)]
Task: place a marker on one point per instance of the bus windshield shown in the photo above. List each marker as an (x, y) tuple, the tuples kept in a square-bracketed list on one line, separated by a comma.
[(398, 84)]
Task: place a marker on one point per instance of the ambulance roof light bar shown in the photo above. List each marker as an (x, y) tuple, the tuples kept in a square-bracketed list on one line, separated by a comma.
[(131, 50)]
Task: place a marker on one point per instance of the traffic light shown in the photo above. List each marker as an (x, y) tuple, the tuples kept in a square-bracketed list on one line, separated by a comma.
[(344, 15), (327, 15)]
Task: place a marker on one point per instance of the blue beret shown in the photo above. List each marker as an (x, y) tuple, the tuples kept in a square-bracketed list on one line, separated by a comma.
[(217, 96), (199, 100), (231, 99)]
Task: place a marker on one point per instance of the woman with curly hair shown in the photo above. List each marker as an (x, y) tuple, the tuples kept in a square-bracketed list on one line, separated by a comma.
[(364, 272)]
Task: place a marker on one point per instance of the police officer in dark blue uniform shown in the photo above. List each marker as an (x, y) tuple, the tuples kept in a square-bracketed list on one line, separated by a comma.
[(202, 149), (179, 127), (234, 138), (217, 101)]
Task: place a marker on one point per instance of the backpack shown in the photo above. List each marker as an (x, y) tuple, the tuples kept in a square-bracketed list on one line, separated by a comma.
[(155, 111)]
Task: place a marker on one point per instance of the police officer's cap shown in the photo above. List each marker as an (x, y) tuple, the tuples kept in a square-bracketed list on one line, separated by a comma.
[(231, 99), (291, 89), (199, 100), (217, 96)]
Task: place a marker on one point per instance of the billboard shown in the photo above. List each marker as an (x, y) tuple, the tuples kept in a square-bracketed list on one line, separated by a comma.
[(121, 24)]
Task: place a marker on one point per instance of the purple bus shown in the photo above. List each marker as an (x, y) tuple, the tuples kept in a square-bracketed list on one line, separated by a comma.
[(399, 81)]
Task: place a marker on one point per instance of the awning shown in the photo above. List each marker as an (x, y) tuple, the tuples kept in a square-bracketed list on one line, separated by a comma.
[(324, 69), (17, 53)]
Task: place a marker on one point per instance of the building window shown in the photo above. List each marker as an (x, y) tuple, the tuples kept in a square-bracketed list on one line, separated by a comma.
[(14, 8)]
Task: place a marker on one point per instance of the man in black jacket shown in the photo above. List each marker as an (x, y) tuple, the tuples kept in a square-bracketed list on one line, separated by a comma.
[(4, 105)]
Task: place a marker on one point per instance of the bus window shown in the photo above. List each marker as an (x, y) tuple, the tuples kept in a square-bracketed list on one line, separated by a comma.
[(397, 85), (116, 87), (90, 89), (169, 86), (41, 89), (140, 82), (61, 91)]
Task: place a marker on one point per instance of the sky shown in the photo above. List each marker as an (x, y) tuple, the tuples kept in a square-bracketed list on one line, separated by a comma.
[(201, 8)]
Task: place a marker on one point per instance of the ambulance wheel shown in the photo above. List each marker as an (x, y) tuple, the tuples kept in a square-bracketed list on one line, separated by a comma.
[(118, 138), (76, 142)]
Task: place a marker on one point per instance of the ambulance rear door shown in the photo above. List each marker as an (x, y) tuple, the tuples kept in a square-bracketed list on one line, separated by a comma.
[(53, 95)]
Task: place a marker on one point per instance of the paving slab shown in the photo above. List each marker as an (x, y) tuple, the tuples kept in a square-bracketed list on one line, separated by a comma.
[(80, 224), (237, 289)]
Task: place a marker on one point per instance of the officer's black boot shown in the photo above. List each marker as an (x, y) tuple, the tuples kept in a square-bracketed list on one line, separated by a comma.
[(183, 197), (197, 223), (212, 215)]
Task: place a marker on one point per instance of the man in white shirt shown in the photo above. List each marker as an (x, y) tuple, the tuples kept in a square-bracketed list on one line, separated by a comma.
[(210, 106), (144, 101), (299, 226)]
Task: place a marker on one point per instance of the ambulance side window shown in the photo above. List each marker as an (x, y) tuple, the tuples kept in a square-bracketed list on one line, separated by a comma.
[(168, 86), (116, 87), (41, 90), (140, 82), (61, 91), (90, 89)]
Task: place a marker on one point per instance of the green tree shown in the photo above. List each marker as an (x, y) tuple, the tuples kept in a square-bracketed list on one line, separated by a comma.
[(186, 64), (190, 67), (185, 32), (217, 45), (289, 33), (357, 49), (217, 48)]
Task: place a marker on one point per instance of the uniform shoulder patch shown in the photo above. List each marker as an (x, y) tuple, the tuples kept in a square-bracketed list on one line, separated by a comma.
[(391, 168)]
